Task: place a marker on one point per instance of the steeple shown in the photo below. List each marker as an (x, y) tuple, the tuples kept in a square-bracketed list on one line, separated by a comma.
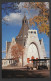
[(24, 30), (24, 20)]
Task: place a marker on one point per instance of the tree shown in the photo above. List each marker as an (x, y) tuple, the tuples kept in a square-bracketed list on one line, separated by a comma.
[(42, 19), (9, 7), (16, 51)]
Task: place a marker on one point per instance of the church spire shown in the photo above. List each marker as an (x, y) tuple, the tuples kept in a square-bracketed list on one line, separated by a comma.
[(24, 18), (23, 32)]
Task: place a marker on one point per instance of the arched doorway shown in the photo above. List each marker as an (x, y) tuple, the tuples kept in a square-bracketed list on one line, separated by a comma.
[(32, 52)]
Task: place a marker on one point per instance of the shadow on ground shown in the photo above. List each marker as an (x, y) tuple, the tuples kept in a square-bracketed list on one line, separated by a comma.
[(12, 73)]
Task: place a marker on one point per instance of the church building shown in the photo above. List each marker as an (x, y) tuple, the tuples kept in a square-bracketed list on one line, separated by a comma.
[(28, 38)]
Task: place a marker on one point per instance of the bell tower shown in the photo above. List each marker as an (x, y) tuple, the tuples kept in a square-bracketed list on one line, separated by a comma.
[(24, 21), (23, 34)]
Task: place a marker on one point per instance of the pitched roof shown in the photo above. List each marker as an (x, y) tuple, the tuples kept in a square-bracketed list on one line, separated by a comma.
[(24, 29)]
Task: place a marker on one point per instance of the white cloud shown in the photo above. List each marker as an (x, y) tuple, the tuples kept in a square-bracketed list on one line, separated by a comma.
[(14, 17)]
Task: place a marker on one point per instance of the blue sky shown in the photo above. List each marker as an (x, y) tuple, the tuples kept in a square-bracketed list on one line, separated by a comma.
[(14, 21)]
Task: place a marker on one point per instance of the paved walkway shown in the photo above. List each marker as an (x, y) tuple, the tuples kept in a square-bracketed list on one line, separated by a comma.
[(20, 72)]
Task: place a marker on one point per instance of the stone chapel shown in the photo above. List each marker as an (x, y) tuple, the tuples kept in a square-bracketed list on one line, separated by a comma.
[(28, 38)]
